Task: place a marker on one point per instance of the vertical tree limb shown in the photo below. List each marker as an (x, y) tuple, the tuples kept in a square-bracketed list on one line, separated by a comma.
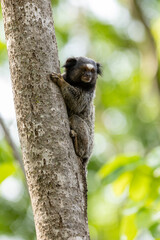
[(54, 174)]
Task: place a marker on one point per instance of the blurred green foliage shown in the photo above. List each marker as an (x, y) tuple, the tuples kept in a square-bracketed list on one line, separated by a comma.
[(124, 171), (16, 218)]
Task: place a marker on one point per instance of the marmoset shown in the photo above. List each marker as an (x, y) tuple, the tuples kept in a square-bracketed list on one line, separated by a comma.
[(77, 85)]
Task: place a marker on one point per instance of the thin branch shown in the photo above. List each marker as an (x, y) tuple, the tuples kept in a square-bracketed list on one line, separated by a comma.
[(8, 137), (143, 21), (140, 15)]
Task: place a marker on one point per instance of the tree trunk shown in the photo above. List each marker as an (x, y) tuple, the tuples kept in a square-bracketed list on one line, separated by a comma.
[(55, 175)]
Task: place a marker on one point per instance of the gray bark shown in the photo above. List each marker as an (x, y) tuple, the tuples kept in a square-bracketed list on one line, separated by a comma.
[(55, 175)]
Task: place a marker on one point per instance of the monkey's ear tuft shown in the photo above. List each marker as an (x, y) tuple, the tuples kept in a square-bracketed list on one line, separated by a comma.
[(99, 68), (71, 62)]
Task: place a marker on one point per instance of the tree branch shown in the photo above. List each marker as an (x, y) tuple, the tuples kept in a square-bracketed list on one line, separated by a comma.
[(8, 137), (139, 13)]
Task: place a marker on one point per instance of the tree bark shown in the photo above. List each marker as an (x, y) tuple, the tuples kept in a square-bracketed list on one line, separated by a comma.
[(55, 176)]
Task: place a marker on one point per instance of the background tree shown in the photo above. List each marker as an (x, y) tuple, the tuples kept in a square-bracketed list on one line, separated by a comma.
[(123, 197)]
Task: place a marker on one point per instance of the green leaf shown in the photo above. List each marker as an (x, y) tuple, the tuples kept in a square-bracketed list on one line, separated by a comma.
[(6, 170), (117, 163), (140, 184), (155, 230), (3, 51), (128, 228), (143, 218), (6, 154), (121, 183)]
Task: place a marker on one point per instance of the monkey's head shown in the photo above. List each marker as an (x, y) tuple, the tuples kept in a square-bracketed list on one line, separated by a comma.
[(82, 72)]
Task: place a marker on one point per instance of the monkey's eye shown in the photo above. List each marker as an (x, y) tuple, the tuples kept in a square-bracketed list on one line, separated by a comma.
[(93, 70), (85, 70)]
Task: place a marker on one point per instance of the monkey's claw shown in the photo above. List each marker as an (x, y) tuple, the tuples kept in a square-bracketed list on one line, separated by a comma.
[(55, 75), (73, 135), (57, 78)]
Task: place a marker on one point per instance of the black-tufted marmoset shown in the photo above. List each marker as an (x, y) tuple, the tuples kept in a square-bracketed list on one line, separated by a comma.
[(77, 85)]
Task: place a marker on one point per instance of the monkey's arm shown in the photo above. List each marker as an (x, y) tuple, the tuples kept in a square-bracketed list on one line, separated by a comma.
[(72, 96)]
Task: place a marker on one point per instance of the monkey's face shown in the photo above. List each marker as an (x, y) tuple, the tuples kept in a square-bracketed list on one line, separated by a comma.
[(82, 72), (88, 73)]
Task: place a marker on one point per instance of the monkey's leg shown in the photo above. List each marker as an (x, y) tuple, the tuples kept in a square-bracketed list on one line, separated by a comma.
[(81, 136)]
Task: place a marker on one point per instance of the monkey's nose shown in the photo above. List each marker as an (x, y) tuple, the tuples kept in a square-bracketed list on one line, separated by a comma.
[(88, 74)]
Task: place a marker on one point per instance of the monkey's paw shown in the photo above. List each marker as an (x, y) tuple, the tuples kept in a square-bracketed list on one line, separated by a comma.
[(55, 77)]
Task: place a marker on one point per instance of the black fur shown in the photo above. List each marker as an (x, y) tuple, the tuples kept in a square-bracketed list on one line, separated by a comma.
[(70, 63), (74, 71), (99, 69)]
